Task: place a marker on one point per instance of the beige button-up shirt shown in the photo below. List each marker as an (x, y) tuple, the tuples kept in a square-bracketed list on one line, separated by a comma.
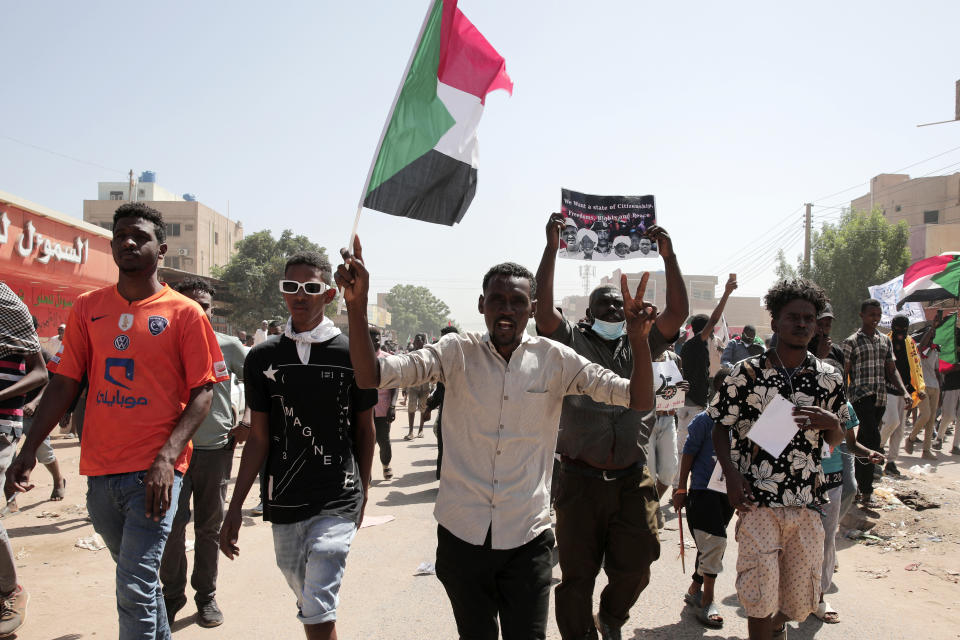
[(500, 427)]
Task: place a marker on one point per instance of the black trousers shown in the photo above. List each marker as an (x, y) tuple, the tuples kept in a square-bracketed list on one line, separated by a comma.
[(603, 523), (382, 426), (206, 482), (868, 434), (484, 584)]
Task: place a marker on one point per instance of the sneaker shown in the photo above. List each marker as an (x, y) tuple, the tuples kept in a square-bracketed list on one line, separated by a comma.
[(387, 473), (257, 510), (607, 632), (173, 605), (938, 444), (13, 611), (891, 469), (209, 615)]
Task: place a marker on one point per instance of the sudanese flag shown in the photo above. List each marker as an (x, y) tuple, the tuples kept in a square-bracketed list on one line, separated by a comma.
[(426, 165), (930, 279)]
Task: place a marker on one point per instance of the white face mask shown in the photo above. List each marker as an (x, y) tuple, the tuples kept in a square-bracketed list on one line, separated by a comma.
[(608, 330)]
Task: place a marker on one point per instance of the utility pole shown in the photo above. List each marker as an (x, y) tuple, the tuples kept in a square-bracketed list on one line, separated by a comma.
[(806, 238)]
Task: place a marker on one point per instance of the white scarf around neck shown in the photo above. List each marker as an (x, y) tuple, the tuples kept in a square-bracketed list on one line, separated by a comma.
[(320, 333)]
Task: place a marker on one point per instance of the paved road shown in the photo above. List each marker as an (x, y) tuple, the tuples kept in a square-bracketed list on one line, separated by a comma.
[(73, 594)]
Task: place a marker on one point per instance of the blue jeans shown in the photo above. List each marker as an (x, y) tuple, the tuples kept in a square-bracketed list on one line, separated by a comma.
[(312, 554), (116, 505)]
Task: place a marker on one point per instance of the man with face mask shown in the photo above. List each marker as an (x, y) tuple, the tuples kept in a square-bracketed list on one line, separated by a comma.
[(607, 503)]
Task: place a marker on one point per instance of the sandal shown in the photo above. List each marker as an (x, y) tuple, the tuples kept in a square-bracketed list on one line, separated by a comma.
[(409, 436), (693, 600), (827, 613), (420, 434), (60, 491), (710, 617)]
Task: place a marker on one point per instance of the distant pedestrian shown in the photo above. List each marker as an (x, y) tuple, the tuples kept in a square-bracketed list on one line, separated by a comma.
[(869, 365), (261, 334), (418, 395), (708, 511), (384, 413), (909, 368), (204, 484)]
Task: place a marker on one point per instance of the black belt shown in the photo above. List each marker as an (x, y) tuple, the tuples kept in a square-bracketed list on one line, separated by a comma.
[(569, 465)]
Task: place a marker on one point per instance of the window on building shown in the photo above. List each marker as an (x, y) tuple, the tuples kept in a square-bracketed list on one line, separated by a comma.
[(897, 208), (116, 195), (931, 217), (216, 237), (173, 228), (141, 193), (171, 261), (106, 225)]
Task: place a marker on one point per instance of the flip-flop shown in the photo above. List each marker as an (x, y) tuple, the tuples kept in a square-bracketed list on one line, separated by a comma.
[(693, 600), (827, 613), (420, 435), (59, 492), (409, 436), (705, 614)]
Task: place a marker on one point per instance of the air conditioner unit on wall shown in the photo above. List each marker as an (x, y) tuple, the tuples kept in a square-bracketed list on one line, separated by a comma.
[(183, 252)]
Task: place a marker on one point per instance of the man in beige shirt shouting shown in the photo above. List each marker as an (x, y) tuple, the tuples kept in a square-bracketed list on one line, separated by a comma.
[(504, 392)]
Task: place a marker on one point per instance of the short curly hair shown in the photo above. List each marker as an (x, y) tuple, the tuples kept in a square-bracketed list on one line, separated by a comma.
[(786, 291), (140, 210), (312, 259), (511, 270), (195, 284)]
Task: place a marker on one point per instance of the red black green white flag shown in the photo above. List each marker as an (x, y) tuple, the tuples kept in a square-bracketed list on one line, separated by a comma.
[(426, 163), (930, 279)]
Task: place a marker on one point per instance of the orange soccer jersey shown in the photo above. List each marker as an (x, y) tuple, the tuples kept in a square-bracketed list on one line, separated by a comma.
[(141, 360)]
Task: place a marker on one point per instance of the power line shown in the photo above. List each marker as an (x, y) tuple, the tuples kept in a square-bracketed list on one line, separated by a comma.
[(777, 229), (62, 155), (909, 166)]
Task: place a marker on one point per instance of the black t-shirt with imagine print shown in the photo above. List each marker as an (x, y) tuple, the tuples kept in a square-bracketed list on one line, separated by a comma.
[(795, 478), (311, 466)]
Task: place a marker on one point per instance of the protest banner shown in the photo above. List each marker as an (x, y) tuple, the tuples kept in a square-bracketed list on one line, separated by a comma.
[(606, 227), (666, 375), (889, 294)]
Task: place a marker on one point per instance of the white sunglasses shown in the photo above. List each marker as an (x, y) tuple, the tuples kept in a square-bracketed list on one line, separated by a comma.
[(310, 288)]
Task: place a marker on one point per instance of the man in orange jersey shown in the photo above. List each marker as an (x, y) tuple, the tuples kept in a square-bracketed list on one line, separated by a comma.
[(151, 359)]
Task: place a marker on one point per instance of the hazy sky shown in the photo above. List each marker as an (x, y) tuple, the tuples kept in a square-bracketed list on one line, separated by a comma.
[(733, 116)]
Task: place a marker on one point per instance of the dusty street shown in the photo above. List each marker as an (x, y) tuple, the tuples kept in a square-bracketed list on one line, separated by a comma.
[(901, 583)]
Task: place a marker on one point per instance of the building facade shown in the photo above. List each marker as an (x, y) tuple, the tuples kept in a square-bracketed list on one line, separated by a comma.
[(48, 259), (930, 206), (198, 237)]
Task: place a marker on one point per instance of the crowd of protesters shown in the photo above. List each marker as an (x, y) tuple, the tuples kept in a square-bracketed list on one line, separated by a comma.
[(577, 405)]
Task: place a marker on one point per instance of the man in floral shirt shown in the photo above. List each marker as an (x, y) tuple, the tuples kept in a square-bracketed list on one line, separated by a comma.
[(780, 535)]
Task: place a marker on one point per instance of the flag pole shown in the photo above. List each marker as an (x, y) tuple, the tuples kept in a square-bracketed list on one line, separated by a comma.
[(383, 132)]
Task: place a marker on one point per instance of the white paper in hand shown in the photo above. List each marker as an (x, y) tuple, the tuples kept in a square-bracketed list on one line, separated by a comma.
[(718, 482), (776, 427)]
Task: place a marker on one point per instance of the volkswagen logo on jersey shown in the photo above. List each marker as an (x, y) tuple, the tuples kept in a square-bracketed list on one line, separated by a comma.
[(121, 342), (125, 322), (157, 324)]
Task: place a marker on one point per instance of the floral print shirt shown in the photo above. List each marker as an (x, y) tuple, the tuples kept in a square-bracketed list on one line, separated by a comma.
[(795, 479)]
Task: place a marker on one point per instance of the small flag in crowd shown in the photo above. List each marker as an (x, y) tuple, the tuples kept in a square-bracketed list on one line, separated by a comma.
[(426, 164), (946, 339), (933, 278)]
